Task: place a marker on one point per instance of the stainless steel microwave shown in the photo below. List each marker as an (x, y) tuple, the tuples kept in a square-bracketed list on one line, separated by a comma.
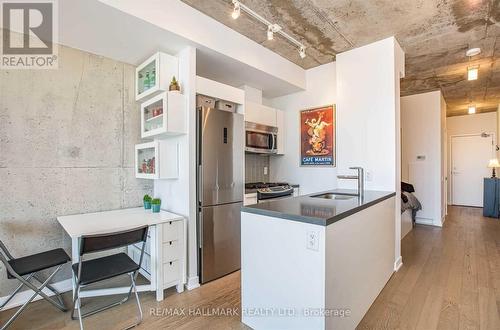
[(261, 139)]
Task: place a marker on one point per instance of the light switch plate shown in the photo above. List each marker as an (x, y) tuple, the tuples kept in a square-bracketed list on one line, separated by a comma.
[(312, 240)]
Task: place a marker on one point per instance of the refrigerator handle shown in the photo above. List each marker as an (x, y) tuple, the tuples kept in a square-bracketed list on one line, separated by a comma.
[(200, 187), (200, 229)]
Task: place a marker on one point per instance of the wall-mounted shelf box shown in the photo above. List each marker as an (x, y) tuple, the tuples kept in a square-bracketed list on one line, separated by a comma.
[(154, 74), (163, 114), (157, 160)]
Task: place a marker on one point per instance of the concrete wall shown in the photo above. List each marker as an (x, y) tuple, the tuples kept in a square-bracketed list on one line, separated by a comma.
[(66, 146), (320, 91)]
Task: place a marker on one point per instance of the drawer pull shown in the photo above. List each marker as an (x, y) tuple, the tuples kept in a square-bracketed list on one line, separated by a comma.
[(170, 223), (170, 263), (170, 242)]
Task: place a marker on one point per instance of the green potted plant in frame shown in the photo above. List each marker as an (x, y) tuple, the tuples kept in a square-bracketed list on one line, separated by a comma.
[(147, 202), (155, 204)]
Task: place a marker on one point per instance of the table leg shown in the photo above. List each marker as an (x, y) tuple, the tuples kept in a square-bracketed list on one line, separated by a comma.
[(75, 258), (159, 262)]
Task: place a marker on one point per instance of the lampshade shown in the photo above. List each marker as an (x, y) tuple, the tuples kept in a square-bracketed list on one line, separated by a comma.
[(493, 163)]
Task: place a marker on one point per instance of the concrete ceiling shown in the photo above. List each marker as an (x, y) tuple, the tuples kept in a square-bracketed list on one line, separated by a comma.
[(434, 34)]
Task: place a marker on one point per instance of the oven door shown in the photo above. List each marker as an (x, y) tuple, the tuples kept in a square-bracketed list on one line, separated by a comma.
[(260, 139)]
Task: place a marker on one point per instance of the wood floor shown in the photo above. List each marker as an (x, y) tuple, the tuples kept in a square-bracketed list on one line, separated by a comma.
[(450, 279)]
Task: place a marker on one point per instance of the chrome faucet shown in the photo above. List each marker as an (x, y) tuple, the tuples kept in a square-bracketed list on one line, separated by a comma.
[(360, 177)]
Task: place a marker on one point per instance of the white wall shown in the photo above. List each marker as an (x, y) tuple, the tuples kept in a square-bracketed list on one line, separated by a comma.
[(422, 130), (205, 32), (368, 113), (468, 124), (320, 90), (179, 195)]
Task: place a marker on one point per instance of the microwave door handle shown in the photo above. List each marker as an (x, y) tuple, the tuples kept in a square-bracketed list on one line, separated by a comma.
[(274, 142)]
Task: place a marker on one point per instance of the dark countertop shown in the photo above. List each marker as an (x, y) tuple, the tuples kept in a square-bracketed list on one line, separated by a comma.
[(317, 211), (252, 191)]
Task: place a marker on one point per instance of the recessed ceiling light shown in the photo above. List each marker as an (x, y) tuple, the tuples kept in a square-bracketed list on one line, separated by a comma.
[(473, 52), (472, 72), (472, 109)]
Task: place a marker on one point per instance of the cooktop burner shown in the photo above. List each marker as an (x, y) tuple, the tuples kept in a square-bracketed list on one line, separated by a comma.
[(260, 185)]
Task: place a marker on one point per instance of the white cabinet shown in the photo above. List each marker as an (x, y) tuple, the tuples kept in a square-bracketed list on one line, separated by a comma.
[(280, 123), (157, 160), (250, 199), (260, 114), (164, 259), (163, 114), (154, 74)]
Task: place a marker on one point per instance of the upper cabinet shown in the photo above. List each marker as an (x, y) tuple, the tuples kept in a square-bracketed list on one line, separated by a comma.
[(260, 114), (163, 115), (280, 123), (155, 74)]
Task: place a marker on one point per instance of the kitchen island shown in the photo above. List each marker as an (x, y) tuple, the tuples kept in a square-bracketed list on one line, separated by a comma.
[(316, 261)]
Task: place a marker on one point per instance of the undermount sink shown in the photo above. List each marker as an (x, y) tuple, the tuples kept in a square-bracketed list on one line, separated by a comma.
[(335, 196)]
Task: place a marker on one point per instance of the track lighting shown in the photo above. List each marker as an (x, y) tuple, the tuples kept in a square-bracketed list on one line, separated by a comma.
[(472, 109), (270, 33), (302, 52), (237, 10), (271, 28)]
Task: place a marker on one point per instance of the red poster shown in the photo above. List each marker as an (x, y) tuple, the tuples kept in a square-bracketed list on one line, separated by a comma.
[(317, 136)]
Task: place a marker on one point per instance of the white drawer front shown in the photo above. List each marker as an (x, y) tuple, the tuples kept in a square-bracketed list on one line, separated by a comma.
[(171, 251), (171, 230), (170, 271)]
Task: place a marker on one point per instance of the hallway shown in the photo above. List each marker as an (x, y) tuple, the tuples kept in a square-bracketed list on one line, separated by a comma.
[(450, 277)]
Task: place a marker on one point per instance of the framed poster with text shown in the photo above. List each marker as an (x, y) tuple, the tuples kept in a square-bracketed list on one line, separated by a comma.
[(318, 127)]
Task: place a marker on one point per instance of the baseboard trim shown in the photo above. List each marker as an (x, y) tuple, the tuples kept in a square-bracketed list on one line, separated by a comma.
[(193, 283), (398, 263), (21, 297)]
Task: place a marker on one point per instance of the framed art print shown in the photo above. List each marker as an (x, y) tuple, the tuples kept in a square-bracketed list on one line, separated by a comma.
[(318, 127)]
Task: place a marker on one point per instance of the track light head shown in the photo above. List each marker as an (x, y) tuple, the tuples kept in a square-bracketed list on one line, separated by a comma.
[(270, 33), (302, 52), (236, 10)]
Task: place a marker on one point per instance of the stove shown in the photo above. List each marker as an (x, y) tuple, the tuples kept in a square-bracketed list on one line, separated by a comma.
[(270, 190)]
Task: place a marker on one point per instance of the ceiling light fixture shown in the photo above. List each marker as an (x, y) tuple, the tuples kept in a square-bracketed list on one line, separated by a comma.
[(302, 52), (270, 33), (472, 72), (236, 10), (472, 109), (271, 28), (473, 52)]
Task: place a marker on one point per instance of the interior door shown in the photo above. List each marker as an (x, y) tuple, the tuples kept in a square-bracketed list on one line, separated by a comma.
[(470, 155)]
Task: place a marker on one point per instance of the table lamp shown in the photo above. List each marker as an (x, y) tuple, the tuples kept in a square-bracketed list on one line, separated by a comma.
[(493, 164)]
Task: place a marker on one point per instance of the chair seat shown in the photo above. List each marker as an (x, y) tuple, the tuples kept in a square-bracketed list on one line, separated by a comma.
[(40, 261), (100, 269)]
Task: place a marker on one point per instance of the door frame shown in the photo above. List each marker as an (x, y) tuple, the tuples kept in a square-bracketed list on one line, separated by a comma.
[(450, 174)]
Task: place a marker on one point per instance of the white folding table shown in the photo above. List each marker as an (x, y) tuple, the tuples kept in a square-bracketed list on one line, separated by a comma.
[(167, 245)]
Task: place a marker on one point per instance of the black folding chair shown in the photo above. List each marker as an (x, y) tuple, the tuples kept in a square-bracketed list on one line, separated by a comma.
[(26, 268), (100, 269)]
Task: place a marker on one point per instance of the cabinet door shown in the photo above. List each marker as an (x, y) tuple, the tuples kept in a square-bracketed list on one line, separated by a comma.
[(260, 114), (280, 123)]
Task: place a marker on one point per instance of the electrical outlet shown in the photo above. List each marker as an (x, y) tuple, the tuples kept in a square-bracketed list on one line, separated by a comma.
[(265, 170), (312, 240)]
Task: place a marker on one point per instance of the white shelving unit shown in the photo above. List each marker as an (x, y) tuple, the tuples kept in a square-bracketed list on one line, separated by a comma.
[(154, 74), (157, 160), (163, 114)]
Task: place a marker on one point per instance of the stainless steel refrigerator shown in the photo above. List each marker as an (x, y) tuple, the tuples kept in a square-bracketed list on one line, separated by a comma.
[(220, 186)]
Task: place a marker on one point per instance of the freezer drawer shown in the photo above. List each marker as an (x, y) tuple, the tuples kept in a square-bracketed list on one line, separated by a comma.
[(220, 242)]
